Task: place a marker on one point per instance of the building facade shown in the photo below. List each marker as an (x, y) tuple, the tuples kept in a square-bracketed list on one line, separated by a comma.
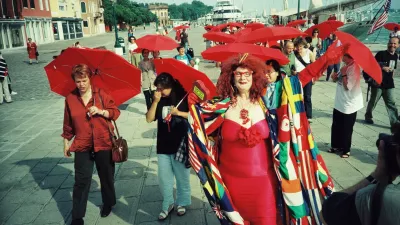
[(12, 24), (92, 15), (37, 16), (161, 11), (66, 22)]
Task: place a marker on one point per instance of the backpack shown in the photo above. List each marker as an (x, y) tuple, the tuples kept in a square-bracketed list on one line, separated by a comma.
[(190, 52)]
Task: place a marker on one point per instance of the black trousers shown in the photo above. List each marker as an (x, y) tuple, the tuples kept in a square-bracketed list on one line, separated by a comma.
[(148, 95), (307, 91), (83, 164), (342, 130)]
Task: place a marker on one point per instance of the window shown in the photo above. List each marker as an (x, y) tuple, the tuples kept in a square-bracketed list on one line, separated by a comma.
[(25, 3), (85, 23), (41, 4), (62, 8), (162, 14), (83, 7), (47, 4), (32, 3)]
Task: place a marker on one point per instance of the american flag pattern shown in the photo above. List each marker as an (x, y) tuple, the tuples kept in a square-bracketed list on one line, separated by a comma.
[(382, 19), (304, 181)]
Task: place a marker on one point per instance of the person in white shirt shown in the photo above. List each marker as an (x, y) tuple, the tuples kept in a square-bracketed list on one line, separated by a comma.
[(395, 33), (348, 101)]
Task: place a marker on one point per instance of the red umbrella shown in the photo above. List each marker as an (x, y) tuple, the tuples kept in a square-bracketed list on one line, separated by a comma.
[(391, 26), (271, 34), (325, 28), (181, 27), (208, 27), (220, 37), (295, 23), (111, 72), (223, 52), (185, 74), (243, 32), (235, 24), (219, 27), (361, 55), (155, 42), (255, 26)]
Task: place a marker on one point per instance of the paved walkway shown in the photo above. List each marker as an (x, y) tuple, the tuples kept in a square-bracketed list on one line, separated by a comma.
[(36, 181)]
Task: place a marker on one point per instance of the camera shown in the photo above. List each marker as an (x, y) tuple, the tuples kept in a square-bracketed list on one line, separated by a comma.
[(391, 151)]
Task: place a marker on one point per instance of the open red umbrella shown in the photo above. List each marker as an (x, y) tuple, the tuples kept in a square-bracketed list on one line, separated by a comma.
[(296, 23), (221, 53), (271, 34), (185, 74), (361, 55), (325, 28), (181, 27), (208, 27), (219, 27), (243, 32), (111, 72), (155, 42), (219, 37), (391, 26), (235, 24), (255, 26)]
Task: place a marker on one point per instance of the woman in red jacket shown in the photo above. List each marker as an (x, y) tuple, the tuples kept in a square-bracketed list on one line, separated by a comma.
[(32, 51), (86, 119)]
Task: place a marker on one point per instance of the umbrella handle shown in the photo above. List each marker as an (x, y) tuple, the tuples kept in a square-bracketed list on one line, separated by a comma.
[(182, 100)]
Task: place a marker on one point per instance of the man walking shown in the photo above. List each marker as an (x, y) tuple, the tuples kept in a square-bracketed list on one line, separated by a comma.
[(388, 62), (288, 50), (185, 40), (4, 91)]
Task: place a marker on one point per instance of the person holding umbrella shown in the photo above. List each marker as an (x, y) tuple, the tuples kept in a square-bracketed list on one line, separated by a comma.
[(348, 101), (395, 32), (32, 51), (87, 114), (169, 101)]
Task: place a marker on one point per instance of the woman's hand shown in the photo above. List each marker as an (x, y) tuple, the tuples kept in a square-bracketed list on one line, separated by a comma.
[(174, 111), (157, 96), (94, 110), (67, 153)]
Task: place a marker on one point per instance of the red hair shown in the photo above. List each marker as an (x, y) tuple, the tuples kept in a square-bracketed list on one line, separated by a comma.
[(225, 84)]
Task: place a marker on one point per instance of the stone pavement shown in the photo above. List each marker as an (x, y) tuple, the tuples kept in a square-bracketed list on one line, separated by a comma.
[(36, 181)]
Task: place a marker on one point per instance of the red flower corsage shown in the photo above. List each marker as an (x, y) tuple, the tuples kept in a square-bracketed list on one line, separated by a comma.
[(250, 137)]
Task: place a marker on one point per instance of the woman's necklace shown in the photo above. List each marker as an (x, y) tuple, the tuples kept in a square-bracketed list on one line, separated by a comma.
[(244, 113)]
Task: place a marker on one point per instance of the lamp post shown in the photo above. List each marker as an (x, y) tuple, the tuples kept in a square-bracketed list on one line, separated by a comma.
[(117, 46)]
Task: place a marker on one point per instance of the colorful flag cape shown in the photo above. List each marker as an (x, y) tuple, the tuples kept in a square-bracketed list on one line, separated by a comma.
[(304, 181)]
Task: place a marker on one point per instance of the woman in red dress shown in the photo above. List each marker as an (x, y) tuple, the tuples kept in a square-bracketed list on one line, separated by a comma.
[(245, 160), (32, 51)]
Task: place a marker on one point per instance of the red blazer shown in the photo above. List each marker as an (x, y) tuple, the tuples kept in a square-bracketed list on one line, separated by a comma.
[(89, 132)]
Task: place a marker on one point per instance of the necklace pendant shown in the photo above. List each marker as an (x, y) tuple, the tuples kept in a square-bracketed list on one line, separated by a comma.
[(244, 115)]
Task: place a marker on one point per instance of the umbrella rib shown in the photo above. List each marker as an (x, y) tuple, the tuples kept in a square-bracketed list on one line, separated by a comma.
[(120, 80)]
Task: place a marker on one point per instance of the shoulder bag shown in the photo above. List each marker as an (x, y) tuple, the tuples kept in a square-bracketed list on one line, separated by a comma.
[(119, 145)]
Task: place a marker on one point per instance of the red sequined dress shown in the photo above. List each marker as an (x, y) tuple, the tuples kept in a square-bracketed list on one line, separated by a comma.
[(247, 171)]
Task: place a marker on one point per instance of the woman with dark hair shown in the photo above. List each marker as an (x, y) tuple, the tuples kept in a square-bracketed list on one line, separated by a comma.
[(171, 143), (87, 115), (273, 75), (148, 77)]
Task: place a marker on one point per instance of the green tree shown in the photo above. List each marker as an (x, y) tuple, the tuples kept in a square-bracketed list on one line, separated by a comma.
[(189, 11)]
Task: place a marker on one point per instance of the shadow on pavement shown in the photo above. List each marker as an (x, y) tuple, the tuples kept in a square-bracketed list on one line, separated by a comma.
[(373, 125)]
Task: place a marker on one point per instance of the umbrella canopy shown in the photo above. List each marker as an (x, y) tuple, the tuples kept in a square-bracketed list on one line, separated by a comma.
[(219, 37), (243, 32), (155, 42), (296, 23), (208, 27), (185, 74), (181, 27), (271, 34), (219, 27), (221, 53), (325, 28), (111, 72), (391, 26), (361, 55), (235, 24), (255, 26)]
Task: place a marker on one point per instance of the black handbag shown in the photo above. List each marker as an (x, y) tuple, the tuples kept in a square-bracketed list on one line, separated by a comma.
[(37, 53)]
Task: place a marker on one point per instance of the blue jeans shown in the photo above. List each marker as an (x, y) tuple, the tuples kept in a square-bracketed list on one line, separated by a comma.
[(334, 67), (168, 168)]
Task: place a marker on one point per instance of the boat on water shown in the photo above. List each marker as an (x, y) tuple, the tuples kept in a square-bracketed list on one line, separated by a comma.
[(226, 11)]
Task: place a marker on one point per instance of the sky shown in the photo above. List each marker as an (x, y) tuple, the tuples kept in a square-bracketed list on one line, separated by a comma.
[(260, 5)]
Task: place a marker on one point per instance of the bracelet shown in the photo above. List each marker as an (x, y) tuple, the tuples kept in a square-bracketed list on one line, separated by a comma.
[(371, 179)]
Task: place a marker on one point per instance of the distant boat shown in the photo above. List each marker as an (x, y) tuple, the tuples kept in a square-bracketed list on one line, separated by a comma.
[(225, 11)]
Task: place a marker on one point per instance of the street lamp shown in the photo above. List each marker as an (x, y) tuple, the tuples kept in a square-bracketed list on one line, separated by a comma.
[(117, 46)]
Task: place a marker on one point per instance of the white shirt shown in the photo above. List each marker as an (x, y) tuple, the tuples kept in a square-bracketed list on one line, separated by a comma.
[(349, 101), (395, 34), (132, 47), (299, 66)]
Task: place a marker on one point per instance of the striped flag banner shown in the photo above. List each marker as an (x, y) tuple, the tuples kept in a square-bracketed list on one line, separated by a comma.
[(382, 19)]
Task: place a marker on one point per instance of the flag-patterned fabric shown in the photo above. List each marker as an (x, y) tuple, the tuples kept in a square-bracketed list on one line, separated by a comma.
[(304, 181), (382, 19)]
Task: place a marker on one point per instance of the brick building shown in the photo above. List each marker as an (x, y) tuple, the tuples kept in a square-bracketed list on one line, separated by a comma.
[(12, 25), (37, 17)]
